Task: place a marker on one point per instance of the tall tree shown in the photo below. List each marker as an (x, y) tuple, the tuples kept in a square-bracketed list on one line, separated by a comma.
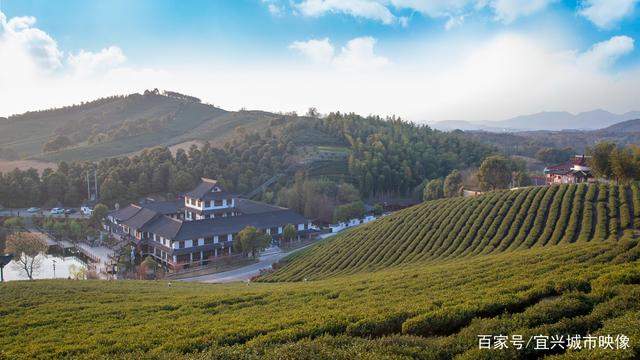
[(433, 190), (26, 249), (452, 184), (250, 241), (289, 233), (600, 159), (495, 172), (623, 166)]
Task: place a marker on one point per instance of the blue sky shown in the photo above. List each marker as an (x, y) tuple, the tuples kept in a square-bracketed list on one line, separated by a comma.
[(425, 60)]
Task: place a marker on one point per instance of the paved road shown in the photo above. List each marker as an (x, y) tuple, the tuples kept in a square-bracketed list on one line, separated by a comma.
[(243, 273), (24, 213)]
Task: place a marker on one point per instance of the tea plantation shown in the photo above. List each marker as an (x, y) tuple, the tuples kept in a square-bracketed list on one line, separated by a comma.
[(414, 292), (463, 227)]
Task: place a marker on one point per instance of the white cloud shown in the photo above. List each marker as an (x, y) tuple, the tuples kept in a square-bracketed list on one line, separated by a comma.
[(358, 53), (509, 10), (274, 7), (320, 51), (86, 62), (19, 38), (369, 9), (381, 10), (607, 13), (605, 53), (454, 22)]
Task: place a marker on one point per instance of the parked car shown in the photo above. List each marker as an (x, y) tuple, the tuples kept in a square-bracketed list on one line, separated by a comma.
[(57, 211), (86, 210), (70, 211), (33, 210)]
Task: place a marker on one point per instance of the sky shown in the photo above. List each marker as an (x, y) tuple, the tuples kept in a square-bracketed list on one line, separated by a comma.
[(422, 60)]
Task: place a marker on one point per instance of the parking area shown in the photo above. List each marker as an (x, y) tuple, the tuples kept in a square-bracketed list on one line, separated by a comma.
[(75, 213)]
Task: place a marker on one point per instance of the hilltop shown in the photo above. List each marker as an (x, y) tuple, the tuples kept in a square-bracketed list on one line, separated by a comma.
[(496, 222), (121, 125)]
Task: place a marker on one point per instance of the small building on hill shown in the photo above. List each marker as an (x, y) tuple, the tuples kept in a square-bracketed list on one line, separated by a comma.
[(201, 226), (574, 171)]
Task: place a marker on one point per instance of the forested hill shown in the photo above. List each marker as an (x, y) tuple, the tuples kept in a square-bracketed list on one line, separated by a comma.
[(119, 125), (311, 164), (457, 227)]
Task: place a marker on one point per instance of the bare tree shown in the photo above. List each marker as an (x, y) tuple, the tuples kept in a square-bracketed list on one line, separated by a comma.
[(26, 248)]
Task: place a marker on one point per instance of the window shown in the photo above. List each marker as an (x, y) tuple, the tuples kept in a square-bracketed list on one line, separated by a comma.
[(217, 203), (207, 204), (181, 245)]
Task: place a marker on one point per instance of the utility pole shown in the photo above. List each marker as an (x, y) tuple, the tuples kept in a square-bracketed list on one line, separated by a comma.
[(54, 269), (92, 185)]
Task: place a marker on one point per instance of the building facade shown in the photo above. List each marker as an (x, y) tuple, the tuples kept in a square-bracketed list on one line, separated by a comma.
[(201, 227), (574, 171)]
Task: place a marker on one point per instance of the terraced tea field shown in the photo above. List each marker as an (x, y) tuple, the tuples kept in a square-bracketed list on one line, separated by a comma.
[(428, 297), (463, 227)]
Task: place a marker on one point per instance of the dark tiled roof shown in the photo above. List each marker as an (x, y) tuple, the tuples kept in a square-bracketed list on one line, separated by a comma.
[(125, 213), (163, 226), (141, 218), (205, 186), (186, 230), (247, 207), (165, 207)]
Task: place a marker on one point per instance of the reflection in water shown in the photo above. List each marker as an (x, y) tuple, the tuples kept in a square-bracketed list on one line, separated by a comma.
[(11, 272)]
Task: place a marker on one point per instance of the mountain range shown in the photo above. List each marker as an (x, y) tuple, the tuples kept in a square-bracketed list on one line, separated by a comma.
[(553, 120)]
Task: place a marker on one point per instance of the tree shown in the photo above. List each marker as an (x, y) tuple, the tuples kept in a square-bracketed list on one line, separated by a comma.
[(349, 211), (495, 172), (100, 212), (250, 241), (452, 184), (378, 209), (313, 112), (148, 268), (623, 167), (26, 248), (600, 159), (552, 156), (522, 179), (433, 190), (289, 233)]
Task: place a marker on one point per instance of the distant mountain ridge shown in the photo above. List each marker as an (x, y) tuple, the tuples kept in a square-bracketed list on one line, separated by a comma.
[(551, 120)]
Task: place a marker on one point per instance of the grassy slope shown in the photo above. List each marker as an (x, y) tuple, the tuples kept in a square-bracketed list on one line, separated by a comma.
[(462, 227), (430, 312), (27, 133), (425, 300)]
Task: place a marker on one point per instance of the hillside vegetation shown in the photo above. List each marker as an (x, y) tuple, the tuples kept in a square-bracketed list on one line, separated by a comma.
[(425, 311), (460, 227), (120, 125)]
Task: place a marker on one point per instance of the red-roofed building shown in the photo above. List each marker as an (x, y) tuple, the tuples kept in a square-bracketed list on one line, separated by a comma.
[(574, 171)]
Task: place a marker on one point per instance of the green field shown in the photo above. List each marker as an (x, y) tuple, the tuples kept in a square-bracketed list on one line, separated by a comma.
[(430, 306), (459, 227)]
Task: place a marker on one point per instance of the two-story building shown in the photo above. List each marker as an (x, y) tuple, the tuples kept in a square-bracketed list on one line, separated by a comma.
[(201, 226), (574, 171)]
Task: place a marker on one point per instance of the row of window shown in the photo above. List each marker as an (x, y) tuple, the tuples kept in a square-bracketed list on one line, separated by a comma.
[(207, 204), (182, 244)]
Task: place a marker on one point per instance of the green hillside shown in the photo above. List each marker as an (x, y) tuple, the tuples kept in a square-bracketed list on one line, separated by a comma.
[(420, 311), (121, 125), (461, 227)]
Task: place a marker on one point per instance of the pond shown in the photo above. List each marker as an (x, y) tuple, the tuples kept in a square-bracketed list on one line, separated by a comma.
[(53, 256)]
